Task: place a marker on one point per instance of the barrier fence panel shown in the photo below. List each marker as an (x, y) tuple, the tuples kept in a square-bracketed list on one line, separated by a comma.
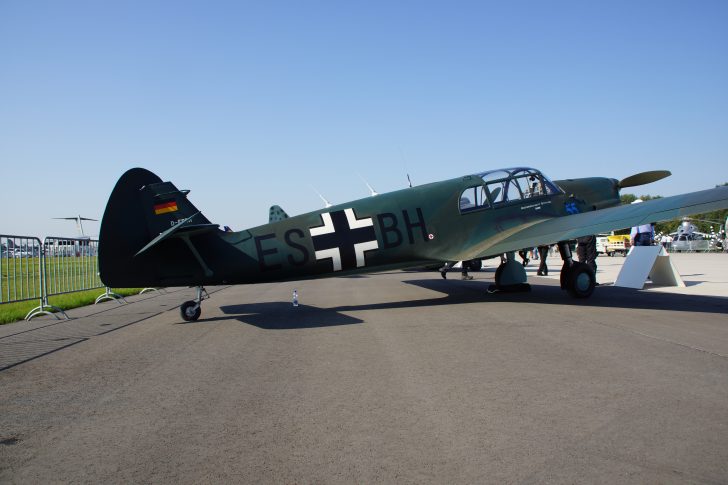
[(71, 264), (698, 245), (34, 270), (704, 245), (20, 268)]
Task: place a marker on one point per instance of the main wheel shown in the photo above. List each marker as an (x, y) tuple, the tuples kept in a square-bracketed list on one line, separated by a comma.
[(580, 281), (189, 312)]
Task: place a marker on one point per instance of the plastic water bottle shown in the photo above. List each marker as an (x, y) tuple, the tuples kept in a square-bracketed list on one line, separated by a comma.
[(295, 298)]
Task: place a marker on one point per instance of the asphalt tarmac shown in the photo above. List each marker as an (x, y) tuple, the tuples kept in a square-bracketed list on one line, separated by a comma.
[(398, 377)]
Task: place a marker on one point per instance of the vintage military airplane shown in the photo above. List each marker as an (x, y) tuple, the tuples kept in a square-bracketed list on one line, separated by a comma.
[(152, 235)]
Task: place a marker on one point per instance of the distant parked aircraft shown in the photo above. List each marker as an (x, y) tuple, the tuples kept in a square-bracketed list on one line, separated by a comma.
[(79, 224)]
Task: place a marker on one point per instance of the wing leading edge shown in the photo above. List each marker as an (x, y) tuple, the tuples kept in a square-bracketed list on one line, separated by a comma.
[(570, 227)]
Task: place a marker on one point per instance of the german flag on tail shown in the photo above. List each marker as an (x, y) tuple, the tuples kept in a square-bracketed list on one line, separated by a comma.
[(165, 207)]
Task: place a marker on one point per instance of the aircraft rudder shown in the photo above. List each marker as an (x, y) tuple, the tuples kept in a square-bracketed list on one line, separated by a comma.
[(140, 207)]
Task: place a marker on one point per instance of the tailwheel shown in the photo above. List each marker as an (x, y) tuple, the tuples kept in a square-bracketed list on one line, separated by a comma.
[(579, 280), (190, 311)]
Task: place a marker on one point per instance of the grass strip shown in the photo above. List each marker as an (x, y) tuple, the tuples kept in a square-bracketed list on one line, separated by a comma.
[(12, 312)]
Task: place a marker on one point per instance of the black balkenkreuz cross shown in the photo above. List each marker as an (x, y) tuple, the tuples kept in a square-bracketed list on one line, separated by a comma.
[(344, 239)]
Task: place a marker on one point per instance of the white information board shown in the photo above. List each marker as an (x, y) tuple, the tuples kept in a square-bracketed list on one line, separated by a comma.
[(644, 261)]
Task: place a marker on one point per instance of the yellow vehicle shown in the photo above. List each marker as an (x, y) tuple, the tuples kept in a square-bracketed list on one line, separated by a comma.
[(618, 244)]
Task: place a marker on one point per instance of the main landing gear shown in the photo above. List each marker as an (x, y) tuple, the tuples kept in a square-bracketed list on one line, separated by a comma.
[(191, 310), (576, 278)]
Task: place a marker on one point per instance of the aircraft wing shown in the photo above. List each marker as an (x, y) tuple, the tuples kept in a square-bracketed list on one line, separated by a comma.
[(569, 227)]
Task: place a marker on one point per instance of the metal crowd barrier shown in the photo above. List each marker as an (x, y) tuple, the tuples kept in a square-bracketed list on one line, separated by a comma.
[(21, 264), (35, 270), (703, 245), (69, 265)]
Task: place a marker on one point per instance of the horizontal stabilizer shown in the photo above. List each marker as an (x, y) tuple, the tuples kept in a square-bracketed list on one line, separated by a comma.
[(181, 230)]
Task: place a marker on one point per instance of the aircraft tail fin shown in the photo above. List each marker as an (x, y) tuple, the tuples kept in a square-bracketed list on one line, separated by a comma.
[(276, 214), (140, 208)]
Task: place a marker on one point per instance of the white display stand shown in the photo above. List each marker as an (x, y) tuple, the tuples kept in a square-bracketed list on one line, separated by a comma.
[(644, 261)]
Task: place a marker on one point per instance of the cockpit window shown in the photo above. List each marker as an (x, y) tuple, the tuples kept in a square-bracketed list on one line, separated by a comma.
[(473, 198), (494, 175), (497, 192)]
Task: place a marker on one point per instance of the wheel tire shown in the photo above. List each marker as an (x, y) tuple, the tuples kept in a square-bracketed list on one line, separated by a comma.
[(187, 312), (580, 281), (475, 264), (498, 273)]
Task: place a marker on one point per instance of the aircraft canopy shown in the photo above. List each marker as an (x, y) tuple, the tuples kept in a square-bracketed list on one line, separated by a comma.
[(507, 185)]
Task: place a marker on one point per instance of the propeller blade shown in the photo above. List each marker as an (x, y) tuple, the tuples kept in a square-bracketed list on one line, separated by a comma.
[(644, 178)]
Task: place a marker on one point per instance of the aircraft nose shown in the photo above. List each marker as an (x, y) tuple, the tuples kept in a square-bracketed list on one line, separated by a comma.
[(615, 186)]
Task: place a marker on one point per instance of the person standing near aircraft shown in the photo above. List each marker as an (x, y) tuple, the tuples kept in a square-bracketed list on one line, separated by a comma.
[(543, 269), (586, 251), (447, 266), (642, 235), (523, 253), (665, 240)]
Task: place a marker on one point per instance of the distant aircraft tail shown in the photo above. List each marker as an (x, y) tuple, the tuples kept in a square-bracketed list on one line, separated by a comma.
[(142, 212), (276, 214)]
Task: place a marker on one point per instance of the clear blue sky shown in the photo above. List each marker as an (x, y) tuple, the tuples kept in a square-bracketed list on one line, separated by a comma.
[(250, 104)]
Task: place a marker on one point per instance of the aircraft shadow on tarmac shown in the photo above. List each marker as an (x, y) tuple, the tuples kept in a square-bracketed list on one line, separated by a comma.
[(603, 296), (283, 316)]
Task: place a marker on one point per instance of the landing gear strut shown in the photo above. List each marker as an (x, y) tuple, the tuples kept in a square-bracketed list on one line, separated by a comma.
[(576, 278), (191, 310)]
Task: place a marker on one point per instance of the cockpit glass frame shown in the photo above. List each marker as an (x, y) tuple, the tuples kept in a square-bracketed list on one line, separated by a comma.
[(473, 198), (506, 186), (513, 185)]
